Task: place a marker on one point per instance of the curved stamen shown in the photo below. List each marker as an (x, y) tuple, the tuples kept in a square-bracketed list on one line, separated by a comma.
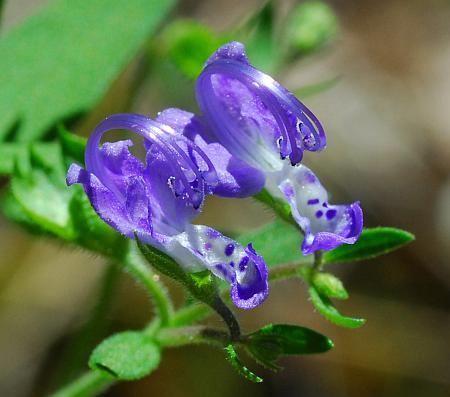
[(154, 133), (209, 175), (274, 96)]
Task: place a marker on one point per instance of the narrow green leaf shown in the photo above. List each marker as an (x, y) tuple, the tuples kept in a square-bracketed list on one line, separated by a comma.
[(329, 285), (276, 242), (239, 367), (126, 356), (326, 308), (372, 243), (82, 47), (275, 340), (317, 88)]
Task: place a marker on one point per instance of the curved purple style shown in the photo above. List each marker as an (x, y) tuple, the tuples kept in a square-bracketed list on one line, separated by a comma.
[(158, 200), (261, 123)]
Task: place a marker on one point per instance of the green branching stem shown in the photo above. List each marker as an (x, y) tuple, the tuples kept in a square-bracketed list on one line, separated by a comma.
[(94, 382)]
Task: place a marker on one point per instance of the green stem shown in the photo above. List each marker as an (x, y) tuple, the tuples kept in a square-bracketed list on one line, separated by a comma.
[(142, 273), (90, 384), (174, 337)]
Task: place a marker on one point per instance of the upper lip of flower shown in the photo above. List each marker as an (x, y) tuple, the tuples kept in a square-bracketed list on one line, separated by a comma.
[(167, 142), (305, 134)]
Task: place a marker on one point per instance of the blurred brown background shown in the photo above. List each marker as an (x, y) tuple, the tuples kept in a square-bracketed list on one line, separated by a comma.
[(388, 126)]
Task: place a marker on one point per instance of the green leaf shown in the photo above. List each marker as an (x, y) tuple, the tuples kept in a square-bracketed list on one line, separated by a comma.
[(188, 45), (275, 340), (239, 367), (44, 203), (317, 88), (329, 285), (61, 61), (276, 242), (259, 38), (326, 308), (372, 243), (126, 356), (73, 146), (310, 26)]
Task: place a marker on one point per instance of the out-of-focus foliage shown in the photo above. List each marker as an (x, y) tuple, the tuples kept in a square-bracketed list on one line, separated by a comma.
[(83, 46), (278, 242), (311, 25), (188, 44)]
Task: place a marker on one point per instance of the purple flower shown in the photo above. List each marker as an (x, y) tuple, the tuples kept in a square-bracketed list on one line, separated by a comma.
[(158, 199), (255, 132)]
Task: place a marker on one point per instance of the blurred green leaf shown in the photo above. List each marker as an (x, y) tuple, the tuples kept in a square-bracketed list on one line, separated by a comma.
[(329, 285), (317, 88), (13, 153), (373, 242), (188, 45), (126, 356), (239, 367), (326, 308), (275, 340), (61, 61), (276, 242), (73, 146), (39, 194), (258, 34), (310, 26)]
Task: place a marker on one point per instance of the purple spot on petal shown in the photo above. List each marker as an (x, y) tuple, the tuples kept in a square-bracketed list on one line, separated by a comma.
[(313, 201), (207, 246), (325, 205), (222, 269), (289, 191), (213, 234), (229, 249), (331, 214), (232, 264), (243, 263), (310, 177), (319, 214)]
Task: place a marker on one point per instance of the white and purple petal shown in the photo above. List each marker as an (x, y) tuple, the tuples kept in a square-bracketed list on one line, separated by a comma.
[(326, 226), (240, 266)]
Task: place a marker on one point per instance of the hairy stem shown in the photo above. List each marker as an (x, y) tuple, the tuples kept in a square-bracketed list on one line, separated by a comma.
[(150, 281)]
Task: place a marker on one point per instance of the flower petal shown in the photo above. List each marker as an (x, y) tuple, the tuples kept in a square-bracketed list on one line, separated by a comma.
[(109, 207), (235, 177), (251, 114), (227, 259), (326, 226)]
